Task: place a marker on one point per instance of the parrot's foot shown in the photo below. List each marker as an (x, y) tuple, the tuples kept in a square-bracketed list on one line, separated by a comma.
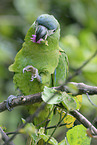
[(8, 102), (34, 72)]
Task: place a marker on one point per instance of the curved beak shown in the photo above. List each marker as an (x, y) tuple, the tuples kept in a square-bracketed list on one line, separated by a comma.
[(41, 32)]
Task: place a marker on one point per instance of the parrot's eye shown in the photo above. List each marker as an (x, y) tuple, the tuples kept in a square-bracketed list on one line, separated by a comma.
[(54, 30)]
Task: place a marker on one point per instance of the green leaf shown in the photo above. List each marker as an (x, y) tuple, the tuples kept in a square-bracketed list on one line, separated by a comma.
[(68, 101), (31, 130), (51, 96), (46, 137), (72, 88), (23, 120), (63, 142), (77, 136), (78, 100), (51, 141)]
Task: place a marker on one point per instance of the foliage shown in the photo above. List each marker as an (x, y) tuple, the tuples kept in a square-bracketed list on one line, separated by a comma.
[(78, 20), (77, 135)]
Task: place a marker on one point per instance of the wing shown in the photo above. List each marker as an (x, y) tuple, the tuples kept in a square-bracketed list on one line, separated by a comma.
[(61, 70)]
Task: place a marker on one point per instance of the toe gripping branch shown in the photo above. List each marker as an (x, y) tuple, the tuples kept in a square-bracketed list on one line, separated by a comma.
[(9, 101), (34, 72)]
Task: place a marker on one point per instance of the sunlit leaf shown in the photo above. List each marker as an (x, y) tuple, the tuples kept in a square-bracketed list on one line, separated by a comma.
[(72, 88), (23, 120), (68, 101), (51, 96), (78, 100), (77, 136), (46, 137), (31, 130), (69, 120)]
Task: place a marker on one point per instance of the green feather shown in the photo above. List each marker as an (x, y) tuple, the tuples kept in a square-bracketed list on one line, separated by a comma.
[(61, 70), (41, 56)]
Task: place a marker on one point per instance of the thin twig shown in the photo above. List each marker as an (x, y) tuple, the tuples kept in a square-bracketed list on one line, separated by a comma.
[(50, 127), (56, 128), (87, 61), (90, 100), (10, 133), (78, 70)]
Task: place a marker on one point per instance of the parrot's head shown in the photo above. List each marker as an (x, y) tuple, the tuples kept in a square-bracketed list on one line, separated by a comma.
[(45, 25)]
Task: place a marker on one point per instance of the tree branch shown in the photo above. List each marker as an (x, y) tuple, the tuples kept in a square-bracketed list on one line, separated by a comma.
[(5, 138), (28, 120), (83, 120), (31, 99), (75, 113), (22, 100), (83, 88)]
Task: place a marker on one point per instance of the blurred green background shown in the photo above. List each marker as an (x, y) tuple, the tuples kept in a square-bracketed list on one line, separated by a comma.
[(78, 21)]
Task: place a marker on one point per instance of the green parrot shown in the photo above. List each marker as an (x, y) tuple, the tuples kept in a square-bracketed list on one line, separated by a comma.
[(40, 62), (39, 56)]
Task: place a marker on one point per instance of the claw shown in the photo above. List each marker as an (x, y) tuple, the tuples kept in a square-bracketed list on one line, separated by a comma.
[(34, 72), (28, 68), (8, 102)]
